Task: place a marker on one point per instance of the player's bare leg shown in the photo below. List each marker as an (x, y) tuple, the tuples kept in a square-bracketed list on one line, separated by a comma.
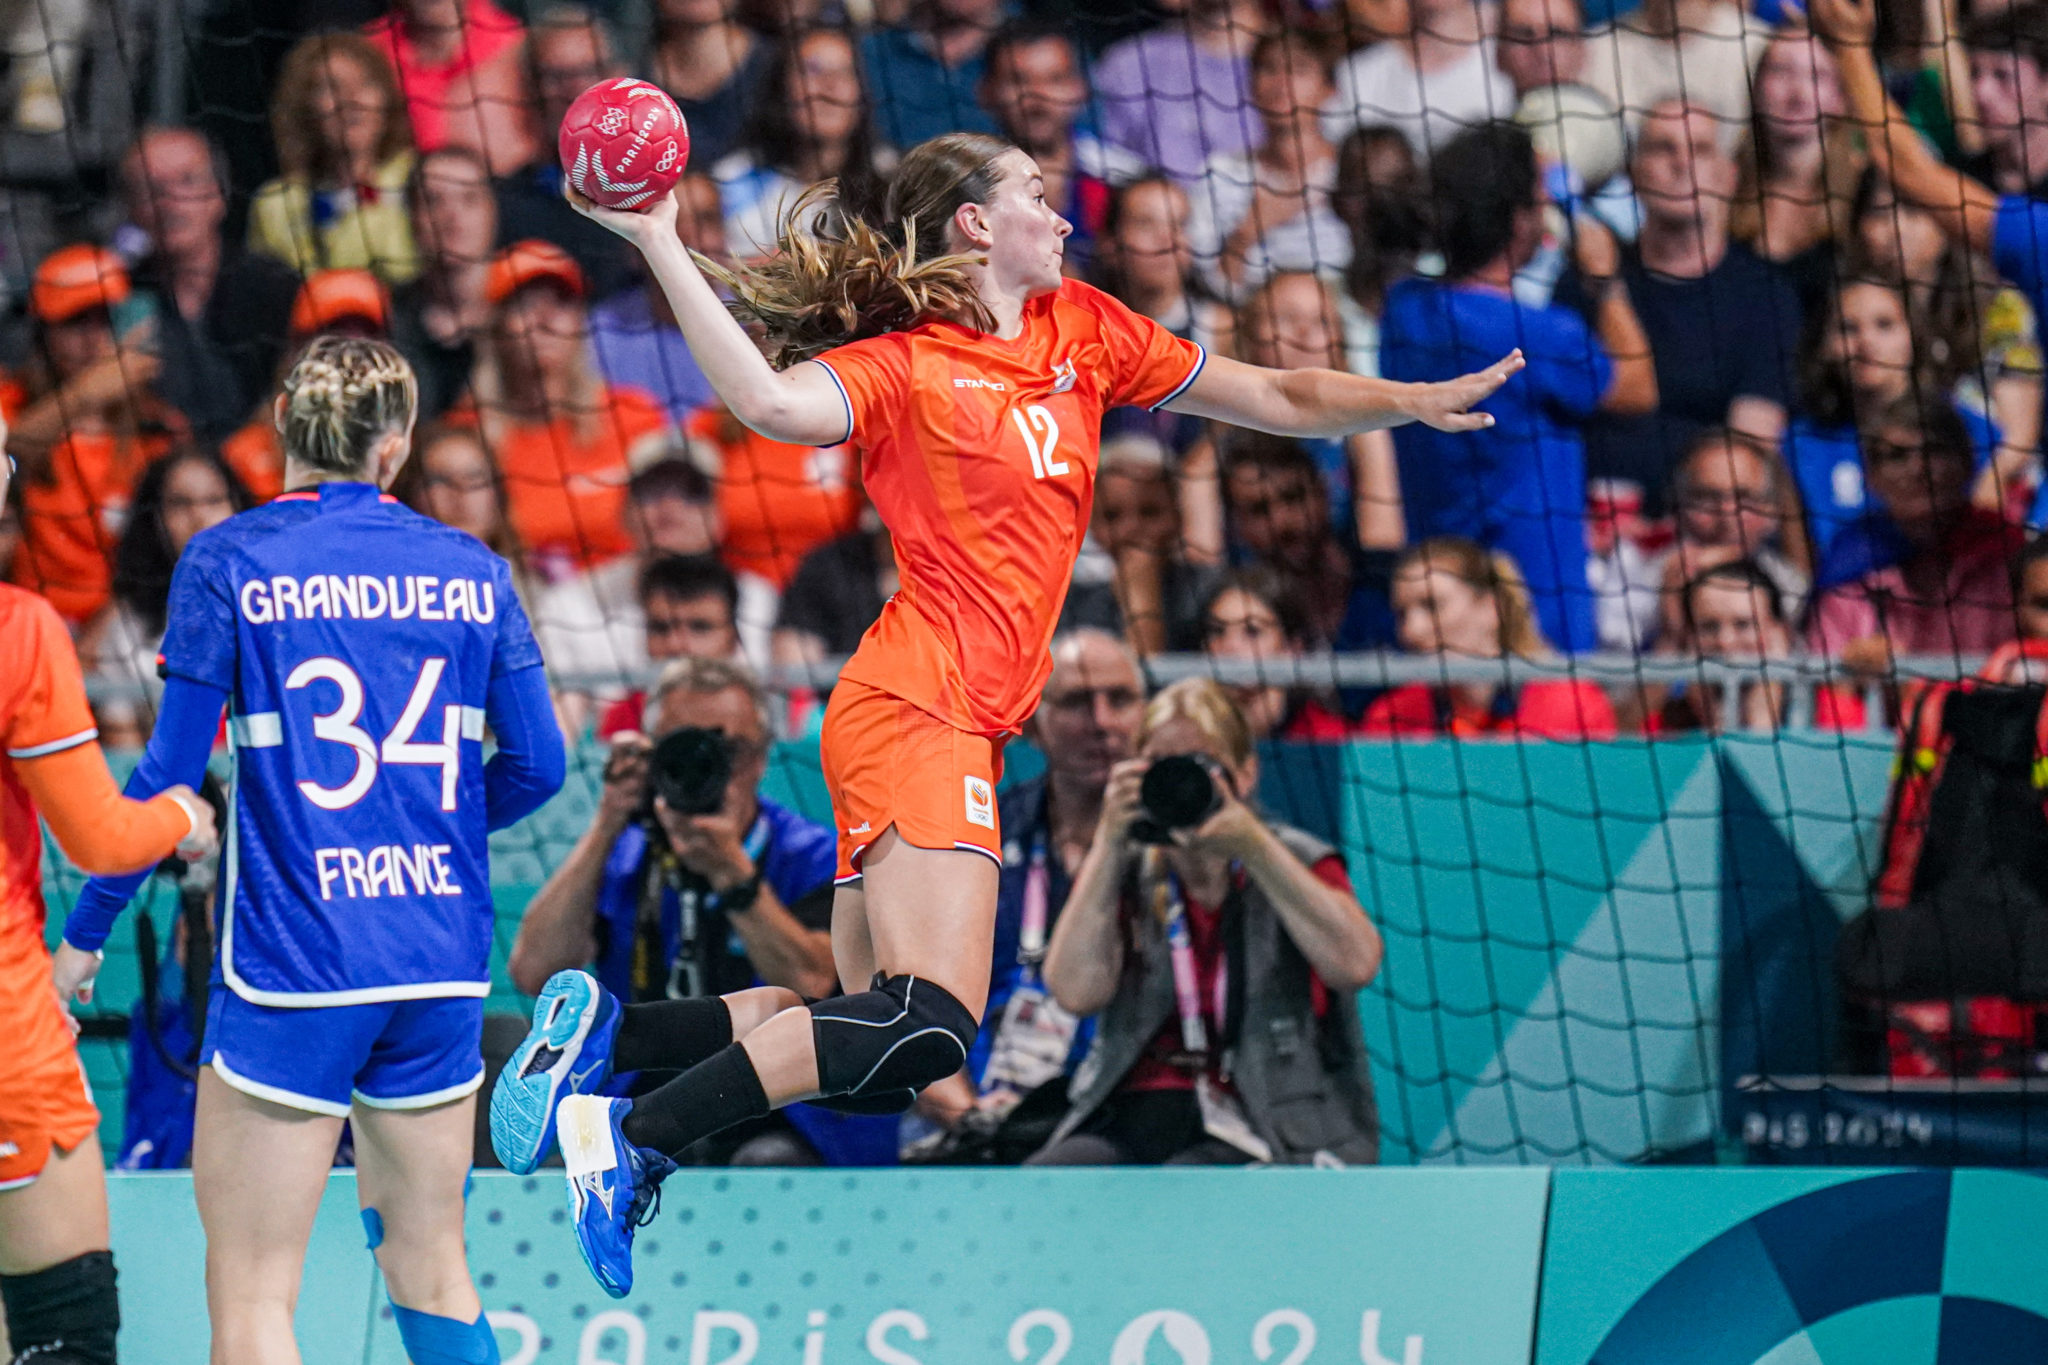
[(411, 1165), (62, 1214), (258, 1172), (853, 948)]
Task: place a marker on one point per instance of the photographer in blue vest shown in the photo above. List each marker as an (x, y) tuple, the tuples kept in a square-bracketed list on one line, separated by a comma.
[(1223, 953)]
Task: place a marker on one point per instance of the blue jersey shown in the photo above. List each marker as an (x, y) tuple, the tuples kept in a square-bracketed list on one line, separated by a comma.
[(356, 640)]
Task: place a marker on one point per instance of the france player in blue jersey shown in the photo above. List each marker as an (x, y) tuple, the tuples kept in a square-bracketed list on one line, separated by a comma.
[(361, 652)]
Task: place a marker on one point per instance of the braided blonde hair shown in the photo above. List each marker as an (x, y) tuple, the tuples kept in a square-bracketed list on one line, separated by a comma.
[(342, 397)]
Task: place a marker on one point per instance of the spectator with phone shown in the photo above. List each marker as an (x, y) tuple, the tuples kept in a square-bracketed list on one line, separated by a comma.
[(690, 883), (1223, 953)]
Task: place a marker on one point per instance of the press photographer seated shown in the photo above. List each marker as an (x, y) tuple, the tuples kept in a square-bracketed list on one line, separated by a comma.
[(689, 885), (1223, 952)]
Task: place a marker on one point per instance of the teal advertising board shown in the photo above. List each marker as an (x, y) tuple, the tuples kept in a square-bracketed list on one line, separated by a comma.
[(1795, 1267), (1155, 1267)]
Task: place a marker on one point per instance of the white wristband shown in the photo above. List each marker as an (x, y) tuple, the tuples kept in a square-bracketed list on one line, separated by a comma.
[(190, 805)]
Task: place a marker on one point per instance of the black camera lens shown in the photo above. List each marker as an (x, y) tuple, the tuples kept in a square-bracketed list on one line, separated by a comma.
[(690, 769), (1179, 792)]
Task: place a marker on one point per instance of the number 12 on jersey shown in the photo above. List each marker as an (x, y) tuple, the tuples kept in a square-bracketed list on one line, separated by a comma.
[(1045, 461)]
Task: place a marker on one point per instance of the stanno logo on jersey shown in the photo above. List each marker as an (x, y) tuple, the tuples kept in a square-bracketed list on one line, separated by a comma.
[(1063, 376), (981, 804), (995, 384)]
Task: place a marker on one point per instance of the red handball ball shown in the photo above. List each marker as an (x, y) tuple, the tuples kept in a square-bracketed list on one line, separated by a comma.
[(624, 144)]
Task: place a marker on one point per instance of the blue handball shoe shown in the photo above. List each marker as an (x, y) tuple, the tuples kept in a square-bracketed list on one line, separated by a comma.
[(614, 1187), (568, 1052)]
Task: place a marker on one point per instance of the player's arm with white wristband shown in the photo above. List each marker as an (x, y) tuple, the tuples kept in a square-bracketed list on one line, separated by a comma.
[(188, 719), (801, 405)]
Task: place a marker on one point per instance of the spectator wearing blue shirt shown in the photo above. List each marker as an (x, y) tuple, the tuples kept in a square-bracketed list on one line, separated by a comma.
[(1860, 355), (1086, 719), (1520, 485), (926, 75), (2010, 50), (672, 909), (634, 333)]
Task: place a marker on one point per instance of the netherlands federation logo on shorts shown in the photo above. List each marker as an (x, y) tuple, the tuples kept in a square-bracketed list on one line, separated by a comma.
[(981, 804)]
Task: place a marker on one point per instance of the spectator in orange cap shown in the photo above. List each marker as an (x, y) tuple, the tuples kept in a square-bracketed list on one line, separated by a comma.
[(74, 500), (348, 302), (564, 438), (77, 361)]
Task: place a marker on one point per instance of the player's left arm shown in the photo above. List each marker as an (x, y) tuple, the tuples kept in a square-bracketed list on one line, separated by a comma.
[(1330, 403), (531, 761)]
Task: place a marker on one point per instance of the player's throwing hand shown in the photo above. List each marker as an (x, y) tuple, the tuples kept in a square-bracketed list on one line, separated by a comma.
[(1448, 405)]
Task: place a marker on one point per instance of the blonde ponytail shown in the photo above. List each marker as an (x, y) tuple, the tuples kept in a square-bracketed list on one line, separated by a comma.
[(342, 397), (835, 277)]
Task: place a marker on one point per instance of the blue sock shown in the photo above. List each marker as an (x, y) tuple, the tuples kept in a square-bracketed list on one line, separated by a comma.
[(431, 1340)]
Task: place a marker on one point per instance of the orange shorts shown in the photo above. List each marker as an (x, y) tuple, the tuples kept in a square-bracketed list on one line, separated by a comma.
[(890, 763), (45, 1100)]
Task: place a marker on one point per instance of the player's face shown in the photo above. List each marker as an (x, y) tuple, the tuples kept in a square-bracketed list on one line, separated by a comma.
[(1026, 237), (1151, 243), (1877, 342), (692, 627), (1437, 612), (459, 488), (195, 498), (1090, 710), (1136, 511)]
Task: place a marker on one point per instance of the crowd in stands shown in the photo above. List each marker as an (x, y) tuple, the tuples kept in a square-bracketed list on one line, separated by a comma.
[(1751, 360)]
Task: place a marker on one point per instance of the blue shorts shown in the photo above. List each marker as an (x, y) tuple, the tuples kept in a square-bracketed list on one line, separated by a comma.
[(397, 1054)]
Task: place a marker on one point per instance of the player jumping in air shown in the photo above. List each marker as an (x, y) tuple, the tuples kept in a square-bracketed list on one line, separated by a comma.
[(945, 343), (361, 650), (56, 1268)]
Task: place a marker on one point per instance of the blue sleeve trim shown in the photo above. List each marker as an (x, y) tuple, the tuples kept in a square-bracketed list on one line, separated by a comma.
[(1201, 359), (187, 721), (531, 761), (844, 397)]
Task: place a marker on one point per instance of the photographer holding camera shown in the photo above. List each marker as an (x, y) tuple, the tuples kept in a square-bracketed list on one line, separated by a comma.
[(1223, 953), (689, 884)]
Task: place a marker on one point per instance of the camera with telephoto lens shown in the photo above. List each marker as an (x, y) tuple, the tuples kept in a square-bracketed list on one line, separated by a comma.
[(1179, 791), (689, 769)]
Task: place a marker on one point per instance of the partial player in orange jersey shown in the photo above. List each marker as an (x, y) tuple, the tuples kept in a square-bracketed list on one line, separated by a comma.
[(942, 341), (56, 1271)]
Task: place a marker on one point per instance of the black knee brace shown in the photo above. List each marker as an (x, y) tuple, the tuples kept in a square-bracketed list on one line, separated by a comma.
[(899, 1035), (66, 1315)]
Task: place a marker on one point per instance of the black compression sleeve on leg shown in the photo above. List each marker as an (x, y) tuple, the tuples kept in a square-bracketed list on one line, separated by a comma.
[(671, 1034), (66, 1315), (710, 1097)]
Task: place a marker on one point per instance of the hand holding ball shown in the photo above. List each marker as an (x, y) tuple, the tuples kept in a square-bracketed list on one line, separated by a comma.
[(623, 144)]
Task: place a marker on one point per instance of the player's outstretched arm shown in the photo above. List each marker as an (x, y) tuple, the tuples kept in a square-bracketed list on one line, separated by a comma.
[(531, 760), (801, 405), (1966, 209), (1329, 403)]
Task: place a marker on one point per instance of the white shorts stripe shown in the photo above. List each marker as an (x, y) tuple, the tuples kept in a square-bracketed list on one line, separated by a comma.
[(426, 1101), (274, 1094)]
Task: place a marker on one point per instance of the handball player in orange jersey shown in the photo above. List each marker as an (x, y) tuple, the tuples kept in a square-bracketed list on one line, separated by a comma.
[(56, 1271), (943, 341)]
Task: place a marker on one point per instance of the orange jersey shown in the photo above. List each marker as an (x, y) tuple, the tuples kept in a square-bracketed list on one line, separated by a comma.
[(566, 495), (980, 455), (42, 711), (777, 502), (256, 454), (71, 521)]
